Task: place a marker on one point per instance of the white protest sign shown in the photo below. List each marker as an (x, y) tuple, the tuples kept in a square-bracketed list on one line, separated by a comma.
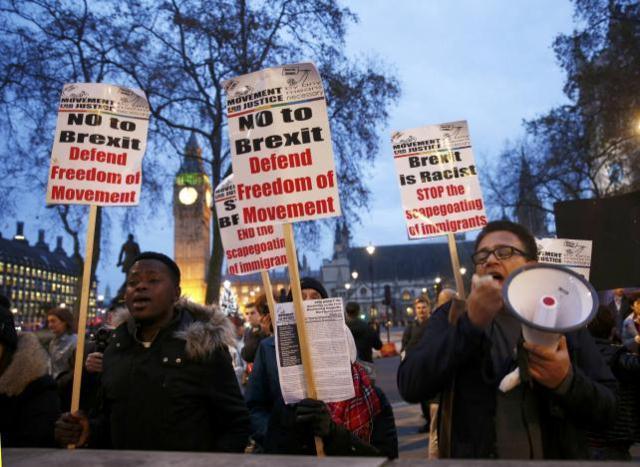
[(281, 146), (99, 143), (329, 351), (438, 179), (247, 249), (574, 254)]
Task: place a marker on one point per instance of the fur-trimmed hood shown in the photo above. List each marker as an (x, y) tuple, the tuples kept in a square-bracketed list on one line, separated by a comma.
[(204, 328), (30, 362)]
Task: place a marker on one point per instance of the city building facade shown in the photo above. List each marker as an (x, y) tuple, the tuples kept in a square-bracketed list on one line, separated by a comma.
[(37, 278)]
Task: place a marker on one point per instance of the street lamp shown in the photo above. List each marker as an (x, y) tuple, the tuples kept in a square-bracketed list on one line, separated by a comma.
[(347, 286), (438, 280), (371, 250), (354, 275), (463, 271)]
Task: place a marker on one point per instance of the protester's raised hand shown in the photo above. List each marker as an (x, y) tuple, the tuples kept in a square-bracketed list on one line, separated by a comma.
[(484, 301), (315, 413), (93, 364), (549, 366), (72, 429)]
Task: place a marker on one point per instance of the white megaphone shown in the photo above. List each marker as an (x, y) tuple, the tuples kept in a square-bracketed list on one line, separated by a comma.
[(549, 300)]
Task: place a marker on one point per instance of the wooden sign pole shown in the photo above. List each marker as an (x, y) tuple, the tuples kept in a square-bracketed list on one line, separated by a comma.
[(271, 303), (455, 263), (84, 306), (298, 307)]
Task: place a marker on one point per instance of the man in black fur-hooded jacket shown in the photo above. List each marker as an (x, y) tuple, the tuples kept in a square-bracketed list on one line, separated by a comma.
[(167, 381)]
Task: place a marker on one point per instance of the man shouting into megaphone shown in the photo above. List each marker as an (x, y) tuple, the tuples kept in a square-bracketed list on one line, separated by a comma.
[(467, 349)]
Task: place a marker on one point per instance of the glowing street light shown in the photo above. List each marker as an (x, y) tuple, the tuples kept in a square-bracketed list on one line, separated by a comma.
[(347, 286), (438, 280), (371, 249), (354, 275), (463, 271)]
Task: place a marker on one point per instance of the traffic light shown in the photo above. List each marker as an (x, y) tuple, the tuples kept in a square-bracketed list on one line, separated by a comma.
[(387, 295)]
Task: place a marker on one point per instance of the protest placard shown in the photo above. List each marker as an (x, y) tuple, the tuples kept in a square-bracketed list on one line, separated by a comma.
[(439, 184), (573, 254), (98, 147), (247, 249), (329, 351), (283, 164), (96, 160), (281, 146), (438, 180)]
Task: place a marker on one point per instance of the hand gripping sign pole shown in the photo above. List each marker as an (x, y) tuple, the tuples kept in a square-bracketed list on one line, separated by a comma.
[(298, 307), (96, 160)]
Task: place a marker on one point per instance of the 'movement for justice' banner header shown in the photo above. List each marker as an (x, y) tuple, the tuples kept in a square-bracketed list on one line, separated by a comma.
[(281, 146), (438, 180), (100, 140)]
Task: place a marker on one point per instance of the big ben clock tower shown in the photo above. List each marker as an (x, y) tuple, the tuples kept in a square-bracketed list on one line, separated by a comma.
[(192, 215)]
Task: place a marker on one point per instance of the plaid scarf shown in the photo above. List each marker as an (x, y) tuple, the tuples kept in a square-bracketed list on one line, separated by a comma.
[(357, 414)]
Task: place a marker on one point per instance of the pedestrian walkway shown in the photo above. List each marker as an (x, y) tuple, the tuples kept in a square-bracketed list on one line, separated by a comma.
[(411, 444)]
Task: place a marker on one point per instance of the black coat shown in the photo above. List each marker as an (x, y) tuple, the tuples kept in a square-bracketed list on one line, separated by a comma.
[(626, 368), (365, 338), (412, 334), (181, 394), (29, 404), (461, 352)]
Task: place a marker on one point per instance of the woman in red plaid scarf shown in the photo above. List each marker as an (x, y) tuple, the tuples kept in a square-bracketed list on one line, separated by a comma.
[(361, 426)]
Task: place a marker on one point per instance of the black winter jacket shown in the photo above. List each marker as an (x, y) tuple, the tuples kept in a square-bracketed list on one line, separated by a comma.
[(626, 368), (180, 394), (29, 404), (462, 352), (365, 338)]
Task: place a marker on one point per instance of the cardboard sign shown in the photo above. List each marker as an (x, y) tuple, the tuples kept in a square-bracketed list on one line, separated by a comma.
[(99, 143), (438, 179), (281, 146), (574, 254), (247, 249)]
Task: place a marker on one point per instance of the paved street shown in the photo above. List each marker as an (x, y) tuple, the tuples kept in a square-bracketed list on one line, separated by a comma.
[(412, 445)]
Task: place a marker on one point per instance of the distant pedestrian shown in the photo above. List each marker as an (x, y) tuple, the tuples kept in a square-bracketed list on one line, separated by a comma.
[(620, 308), (62, 351), (631, 328), (365, 337)]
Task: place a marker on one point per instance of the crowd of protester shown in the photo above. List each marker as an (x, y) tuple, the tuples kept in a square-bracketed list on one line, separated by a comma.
[(175, 375)]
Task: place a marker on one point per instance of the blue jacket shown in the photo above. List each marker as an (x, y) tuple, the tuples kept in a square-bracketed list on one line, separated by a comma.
[(275, 429), (462, 352)]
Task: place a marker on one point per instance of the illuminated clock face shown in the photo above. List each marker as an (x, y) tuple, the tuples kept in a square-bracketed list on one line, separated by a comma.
[(188, 195), (208, 198)]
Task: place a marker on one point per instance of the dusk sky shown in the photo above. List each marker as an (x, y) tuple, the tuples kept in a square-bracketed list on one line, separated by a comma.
[(489, 62)]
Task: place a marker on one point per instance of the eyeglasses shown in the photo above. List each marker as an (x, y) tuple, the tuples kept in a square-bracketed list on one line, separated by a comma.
[(501, 252)]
